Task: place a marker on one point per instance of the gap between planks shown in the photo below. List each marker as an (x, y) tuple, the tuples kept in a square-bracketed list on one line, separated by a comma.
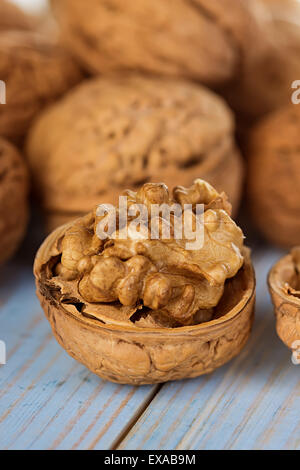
[(132, 422)]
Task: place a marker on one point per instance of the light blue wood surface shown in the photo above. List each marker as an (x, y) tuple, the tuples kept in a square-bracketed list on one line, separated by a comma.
[(48, 401), (251, 403)]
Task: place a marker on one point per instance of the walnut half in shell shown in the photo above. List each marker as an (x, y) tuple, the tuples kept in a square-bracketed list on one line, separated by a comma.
[(145, 310), (284, 286)]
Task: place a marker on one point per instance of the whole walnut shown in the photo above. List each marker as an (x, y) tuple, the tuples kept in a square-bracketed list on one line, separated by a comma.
[(135, 303), (274, 176), (197, 39), (13, 199), (113, 133), (36, 71), (12, 17), (229, 44)]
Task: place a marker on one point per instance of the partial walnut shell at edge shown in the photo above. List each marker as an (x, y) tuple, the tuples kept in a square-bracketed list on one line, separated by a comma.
[(273, 176), (37, 71), (131, 355), (14, 205), (286, 306)]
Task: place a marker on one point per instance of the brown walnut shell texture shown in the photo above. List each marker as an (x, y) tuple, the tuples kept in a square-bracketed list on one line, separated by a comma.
[(282, 277), (36, 71), (151, 36), (136, 356), (183, 39), (12, 17), (274, 176), (108, 135), (228, 43), (264, 82), (13, 199), (286, 17)]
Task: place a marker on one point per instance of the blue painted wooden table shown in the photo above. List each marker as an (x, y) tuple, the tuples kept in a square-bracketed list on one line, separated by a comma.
[(49, 401)]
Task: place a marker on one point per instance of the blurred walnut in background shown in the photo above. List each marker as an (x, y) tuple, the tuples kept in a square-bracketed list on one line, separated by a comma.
[(12, 17), (110, 134), (286, 17), (199, 40), (13, 199), (274, 176), (178, 38), (35, 69), (229, 44), (264, 83)]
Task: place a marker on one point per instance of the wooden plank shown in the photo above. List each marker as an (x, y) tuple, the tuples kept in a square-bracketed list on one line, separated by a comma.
[(48, 400), (251, 403)]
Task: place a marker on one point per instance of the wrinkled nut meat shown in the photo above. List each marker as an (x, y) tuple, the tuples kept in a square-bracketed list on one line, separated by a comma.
[(149, 310), (112, 134), (274, 176), (284, 286), (36, 71), (13, 199), (154, 274)]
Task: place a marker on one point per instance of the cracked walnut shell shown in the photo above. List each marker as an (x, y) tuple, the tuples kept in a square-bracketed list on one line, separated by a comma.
[(284, 287), (111, 134), (13, 199), (36, 71), (274, 176), (143, 310)]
